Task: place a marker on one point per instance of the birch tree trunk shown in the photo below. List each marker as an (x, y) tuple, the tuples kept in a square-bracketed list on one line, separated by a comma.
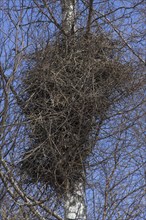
[(75, 208), (68, 15)]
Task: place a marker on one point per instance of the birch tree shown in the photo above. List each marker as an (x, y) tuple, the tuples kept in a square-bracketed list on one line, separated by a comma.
[(75, 203), (80, 41)]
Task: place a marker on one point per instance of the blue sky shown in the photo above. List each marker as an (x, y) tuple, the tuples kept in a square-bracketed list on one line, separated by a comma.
[(15, 33)]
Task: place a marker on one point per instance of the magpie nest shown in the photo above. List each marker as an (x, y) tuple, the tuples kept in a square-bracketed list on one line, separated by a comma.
[(69, 88)]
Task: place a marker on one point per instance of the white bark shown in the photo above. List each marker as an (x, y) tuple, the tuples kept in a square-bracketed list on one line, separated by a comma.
[(75, 208), (68, 15)]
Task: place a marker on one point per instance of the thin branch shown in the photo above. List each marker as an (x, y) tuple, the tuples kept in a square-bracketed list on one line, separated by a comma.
[(23, 196), (89, 16)]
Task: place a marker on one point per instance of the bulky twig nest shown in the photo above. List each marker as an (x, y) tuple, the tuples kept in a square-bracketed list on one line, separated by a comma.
[(69, 88)]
